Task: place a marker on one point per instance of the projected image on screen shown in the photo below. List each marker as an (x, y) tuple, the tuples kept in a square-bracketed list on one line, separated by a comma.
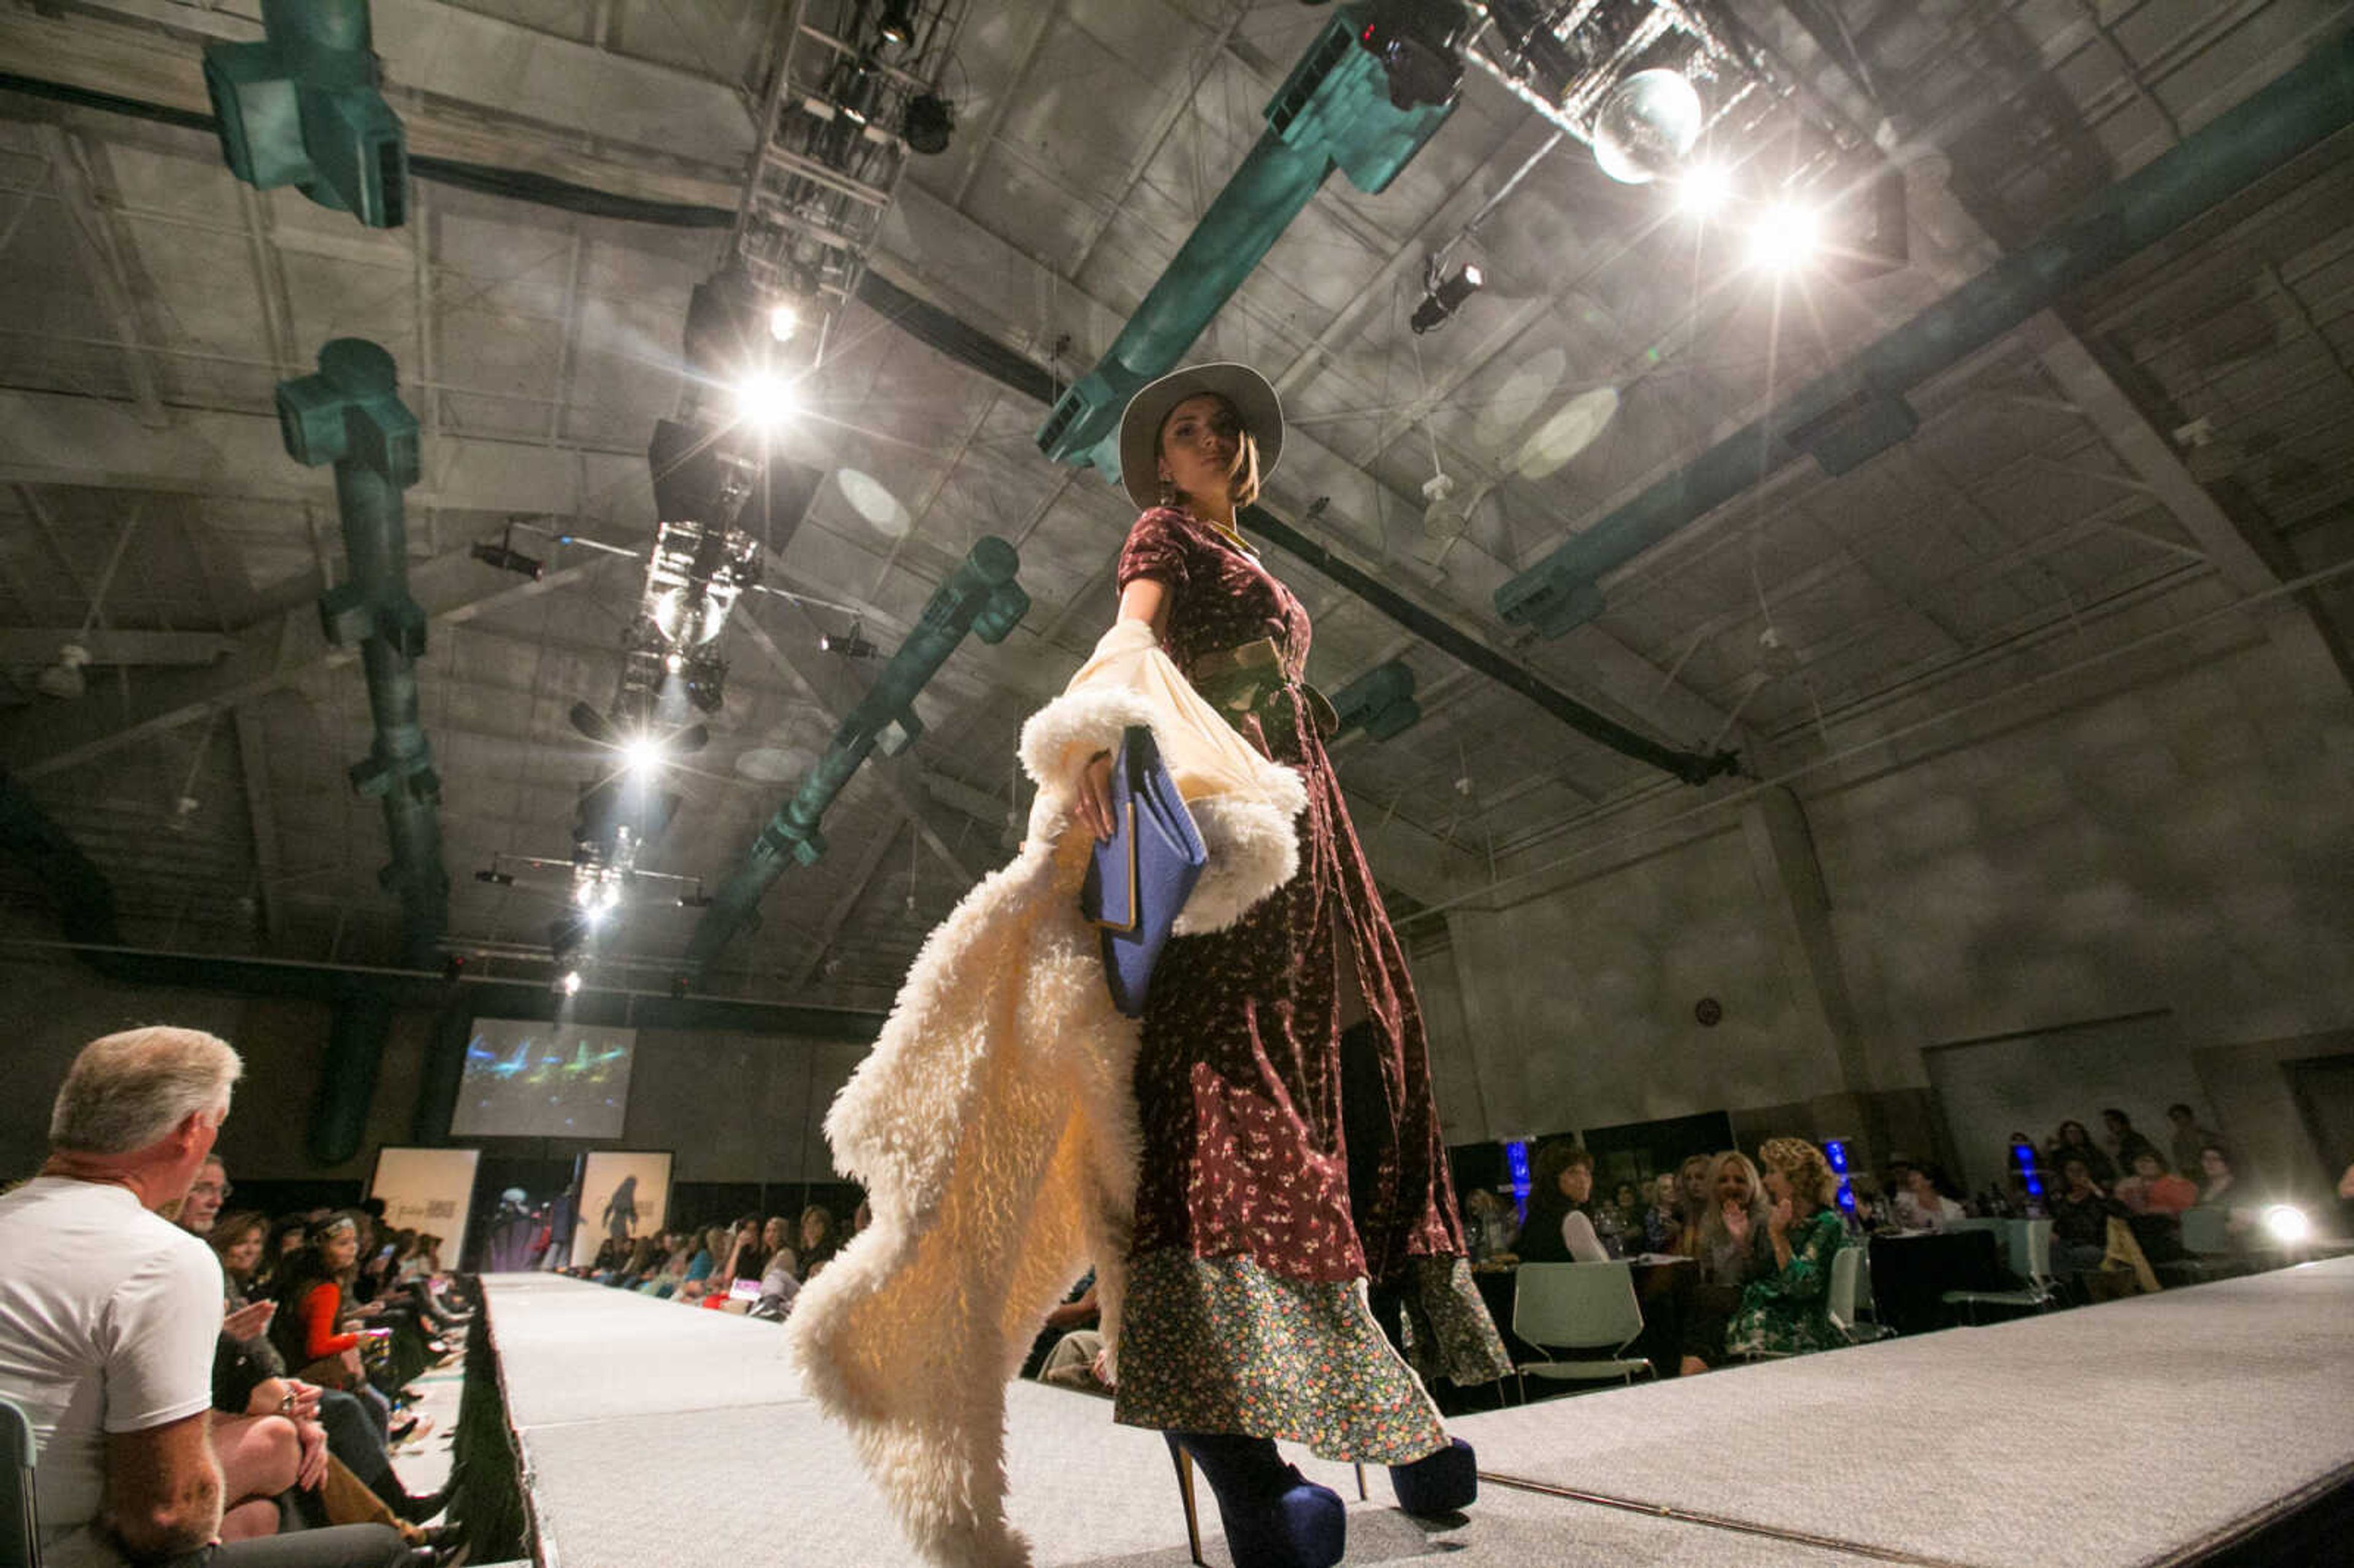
[(529, 1079)]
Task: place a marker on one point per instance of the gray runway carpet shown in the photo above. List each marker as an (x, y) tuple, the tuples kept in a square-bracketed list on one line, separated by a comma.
[(653, 1434)]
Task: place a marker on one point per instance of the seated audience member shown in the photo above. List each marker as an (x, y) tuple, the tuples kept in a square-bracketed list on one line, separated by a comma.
[(1935, 1199), (2072, 1142), (2122, 1139), (711, 1253), (109, 1316), (776, 1237), (666, 1279), (1787, 1311), (1898, 1202), (1695, 1199), (1663, 1217), (2218, 1185), (860, 1217), (2189, 1139), (1489, 1224), (819, 1240), (316, 1323), (747, 1253), (2152, 1188), (1559, 1226), (1734, 1249), (1078, 1309), (1627, 1207), (778, 1285), (2081, 1213)]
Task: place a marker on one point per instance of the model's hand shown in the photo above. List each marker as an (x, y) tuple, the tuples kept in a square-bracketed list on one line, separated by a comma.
[(1092, 795)]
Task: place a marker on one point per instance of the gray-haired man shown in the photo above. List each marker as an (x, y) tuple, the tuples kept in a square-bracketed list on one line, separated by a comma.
[(109, 1315)]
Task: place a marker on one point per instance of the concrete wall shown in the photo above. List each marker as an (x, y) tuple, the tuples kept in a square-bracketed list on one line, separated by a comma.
[(734, 1106), (2175, 833)]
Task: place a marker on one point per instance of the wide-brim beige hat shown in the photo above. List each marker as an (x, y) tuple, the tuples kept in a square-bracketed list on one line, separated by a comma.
[(1139, 429)]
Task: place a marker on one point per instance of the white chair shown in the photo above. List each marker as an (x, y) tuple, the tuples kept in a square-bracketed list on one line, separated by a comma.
[(1577, 1307), (2030, 1254), (1847, 1275), (20, 1535)]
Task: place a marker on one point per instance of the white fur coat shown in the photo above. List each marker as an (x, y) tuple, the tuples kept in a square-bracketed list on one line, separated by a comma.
[(994, 1126)]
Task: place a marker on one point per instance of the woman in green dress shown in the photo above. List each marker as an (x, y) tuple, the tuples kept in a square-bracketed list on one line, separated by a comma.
[(1787, 1312)]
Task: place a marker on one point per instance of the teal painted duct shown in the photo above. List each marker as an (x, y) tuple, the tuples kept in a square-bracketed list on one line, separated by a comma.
[(980, 596), (350, 415), (1380, 702), (1857, 410), (1332, 113), (301, 108)]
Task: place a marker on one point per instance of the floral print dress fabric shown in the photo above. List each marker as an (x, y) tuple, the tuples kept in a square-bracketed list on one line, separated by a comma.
[(1246, 1308)]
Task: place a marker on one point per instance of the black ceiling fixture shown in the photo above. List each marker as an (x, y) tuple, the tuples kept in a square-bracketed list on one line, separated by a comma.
[(931, 121)]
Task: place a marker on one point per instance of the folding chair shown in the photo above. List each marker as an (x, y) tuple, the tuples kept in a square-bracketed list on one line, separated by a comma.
[(20, 1534), (1847, 1274), (2030, 1253), (1577, 1307)]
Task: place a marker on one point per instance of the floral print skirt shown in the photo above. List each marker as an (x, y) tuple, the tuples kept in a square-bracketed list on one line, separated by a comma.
[(1223, 1344)]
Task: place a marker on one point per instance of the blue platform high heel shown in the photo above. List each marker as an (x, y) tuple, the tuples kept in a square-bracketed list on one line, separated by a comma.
[(1274, 1517), (1444, 1481)]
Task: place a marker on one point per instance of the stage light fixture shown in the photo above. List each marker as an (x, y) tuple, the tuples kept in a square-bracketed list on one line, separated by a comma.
[(568, 983), (510, 560), (2287, 1224), (784, 320), (644, 756), (849, 645), (765, 400), (930, 124), (898, 23), (1420, 46), (1703, 189), (1784, 237), (1442, 298), (496, 878), (608, 897)]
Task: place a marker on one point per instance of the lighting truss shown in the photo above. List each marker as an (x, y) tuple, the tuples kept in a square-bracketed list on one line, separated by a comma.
[(841, 87)]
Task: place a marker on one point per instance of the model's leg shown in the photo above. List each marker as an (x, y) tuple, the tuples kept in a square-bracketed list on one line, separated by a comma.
[(1274, 1517)]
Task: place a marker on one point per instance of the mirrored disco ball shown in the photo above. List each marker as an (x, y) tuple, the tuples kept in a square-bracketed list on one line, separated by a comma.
[(1646, 126)]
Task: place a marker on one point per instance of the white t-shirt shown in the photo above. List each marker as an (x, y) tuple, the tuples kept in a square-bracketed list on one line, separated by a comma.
[(108, 1320)]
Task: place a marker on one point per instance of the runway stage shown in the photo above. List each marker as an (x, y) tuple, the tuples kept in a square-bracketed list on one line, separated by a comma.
[(2213, 1425)]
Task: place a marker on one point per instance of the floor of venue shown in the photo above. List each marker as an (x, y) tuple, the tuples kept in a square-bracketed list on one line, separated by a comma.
[(2208, 1425)]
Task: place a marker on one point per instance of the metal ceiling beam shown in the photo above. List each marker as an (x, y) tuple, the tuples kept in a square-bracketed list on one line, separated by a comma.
[(270, 655), (103, 259), (38, 645), (253, 773), (450, 110), (49, 438)]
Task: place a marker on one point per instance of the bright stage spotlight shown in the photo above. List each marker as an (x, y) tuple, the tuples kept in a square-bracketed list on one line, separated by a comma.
[(784, 320), (1703, 189), (2287, 1224), (1785, 237), (765, 400), (644, 756), (569, 983)]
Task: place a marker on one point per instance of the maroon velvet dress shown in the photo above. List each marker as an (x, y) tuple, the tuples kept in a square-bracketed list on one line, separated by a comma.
[(1248, 1307)]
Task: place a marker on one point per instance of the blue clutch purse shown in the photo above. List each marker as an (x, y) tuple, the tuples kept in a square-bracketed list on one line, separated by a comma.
[(1139, 878)]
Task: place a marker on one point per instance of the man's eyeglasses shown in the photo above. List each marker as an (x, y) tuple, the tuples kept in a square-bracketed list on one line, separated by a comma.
[(220, 1190)]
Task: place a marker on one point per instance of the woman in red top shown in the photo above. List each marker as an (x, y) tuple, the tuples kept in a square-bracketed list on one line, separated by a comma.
[(312, 1311)]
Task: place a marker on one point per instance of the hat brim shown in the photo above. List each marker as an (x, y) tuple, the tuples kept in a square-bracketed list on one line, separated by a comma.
[(1254, 400)]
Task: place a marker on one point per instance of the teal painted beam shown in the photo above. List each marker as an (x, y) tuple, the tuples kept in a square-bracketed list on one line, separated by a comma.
[(1332, 113), (979, 597)]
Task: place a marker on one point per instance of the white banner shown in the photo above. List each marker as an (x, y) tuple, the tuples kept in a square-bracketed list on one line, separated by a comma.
[(624, 1195), (428, 1190)]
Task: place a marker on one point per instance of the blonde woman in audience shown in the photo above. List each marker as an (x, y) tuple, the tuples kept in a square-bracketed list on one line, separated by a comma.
[(1695, 1197), (1786, 1312), (1731, 1246)]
